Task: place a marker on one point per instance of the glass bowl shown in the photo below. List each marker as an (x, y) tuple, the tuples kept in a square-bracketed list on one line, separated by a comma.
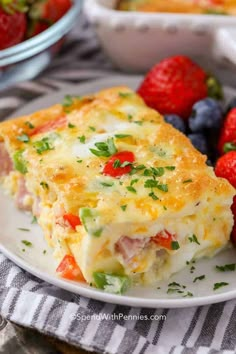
[(26, 60)]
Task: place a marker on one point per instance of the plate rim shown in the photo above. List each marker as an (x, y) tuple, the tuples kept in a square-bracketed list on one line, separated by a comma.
[(93, 293)]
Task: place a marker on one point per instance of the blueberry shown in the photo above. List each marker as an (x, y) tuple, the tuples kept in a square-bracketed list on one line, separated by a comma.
[(231, 104), (206, 114), (176, 121), (199, 142)]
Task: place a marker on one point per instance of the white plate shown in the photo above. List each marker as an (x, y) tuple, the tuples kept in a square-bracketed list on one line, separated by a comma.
[(43, 266)]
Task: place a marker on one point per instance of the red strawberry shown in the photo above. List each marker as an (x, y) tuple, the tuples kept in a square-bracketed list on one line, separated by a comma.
[(226, 167), (227, 140), (44, 13), (233, 234), (12, 28), (174, 85)]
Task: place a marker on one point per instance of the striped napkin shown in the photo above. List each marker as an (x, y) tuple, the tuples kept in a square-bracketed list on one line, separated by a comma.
[(90, 324)]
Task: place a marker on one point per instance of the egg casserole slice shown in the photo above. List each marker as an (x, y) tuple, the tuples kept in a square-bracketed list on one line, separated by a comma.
[(219, 7), (121, 195)]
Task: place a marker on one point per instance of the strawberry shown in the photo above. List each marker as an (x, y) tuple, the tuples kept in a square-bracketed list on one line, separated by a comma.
[(227, 139), (175, 84), (233, 233), (44, 13), (226, 168), (12, 27)]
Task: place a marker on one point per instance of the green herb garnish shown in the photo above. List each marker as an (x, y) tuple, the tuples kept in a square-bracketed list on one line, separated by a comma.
[(131, 189), (219, 285), (20, 164), (92, 128), (226, 268), (82, 139), (43, 145), (188, 181), (123, 207), (23, 229), (34, 220), (107, 184), (125, 94), (68, 101), (201, 277), (30, 125), (24, 138), (44, 185), (122, 136), (105, 149), (71, 125), (27, 243), (175, 245), (194, 239)]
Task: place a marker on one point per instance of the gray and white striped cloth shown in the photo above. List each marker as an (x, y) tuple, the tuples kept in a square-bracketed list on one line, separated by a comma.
[(32, 303)]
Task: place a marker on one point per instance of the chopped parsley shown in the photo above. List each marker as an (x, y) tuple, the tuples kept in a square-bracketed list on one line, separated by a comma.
[(154, 171), (27, 243), (226, 268), (153, 196), (68, 101), (201, 277), (79, 161), (194, 239), (189, 294), (34, 220), (71, 125), (44, 251), (130, 117), (188, 181), (116, 163), (136, 169), (44, 185), (131, 189), (92, 128), (151, 183), (173, 290), (105, 149), (174, 284), (170, 168), (134, 181), (122, 136), (82, 139), (123, 207), (20, 163), (219, 285), (125, 94), (30, 125), (107, 184), (43, 145), (139, 122), (175, 245), (24, 138), (23, 229)]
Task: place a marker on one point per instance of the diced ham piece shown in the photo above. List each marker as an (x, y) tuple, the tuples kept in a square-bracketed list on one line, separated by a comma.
[(51, 125), (6, 165), (21, 195), (129, 247)]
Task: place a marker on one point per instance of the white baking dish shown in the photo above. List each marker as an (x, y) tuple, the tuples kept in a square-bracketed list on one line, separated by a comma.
[(135, 41)]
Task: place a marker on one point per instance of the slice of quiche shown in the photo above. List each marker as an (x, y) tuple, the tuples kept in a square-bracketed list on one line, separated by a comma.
[(121, 196)]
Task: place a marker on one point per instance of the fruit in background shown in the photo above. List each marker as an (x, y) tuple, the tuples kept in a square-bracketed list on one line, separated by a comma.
[(206, 114), (12, 28), (227, 141), (199, 142), (233, 234), (226, 168), (176, 121), (44, 13), (175, 84)]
